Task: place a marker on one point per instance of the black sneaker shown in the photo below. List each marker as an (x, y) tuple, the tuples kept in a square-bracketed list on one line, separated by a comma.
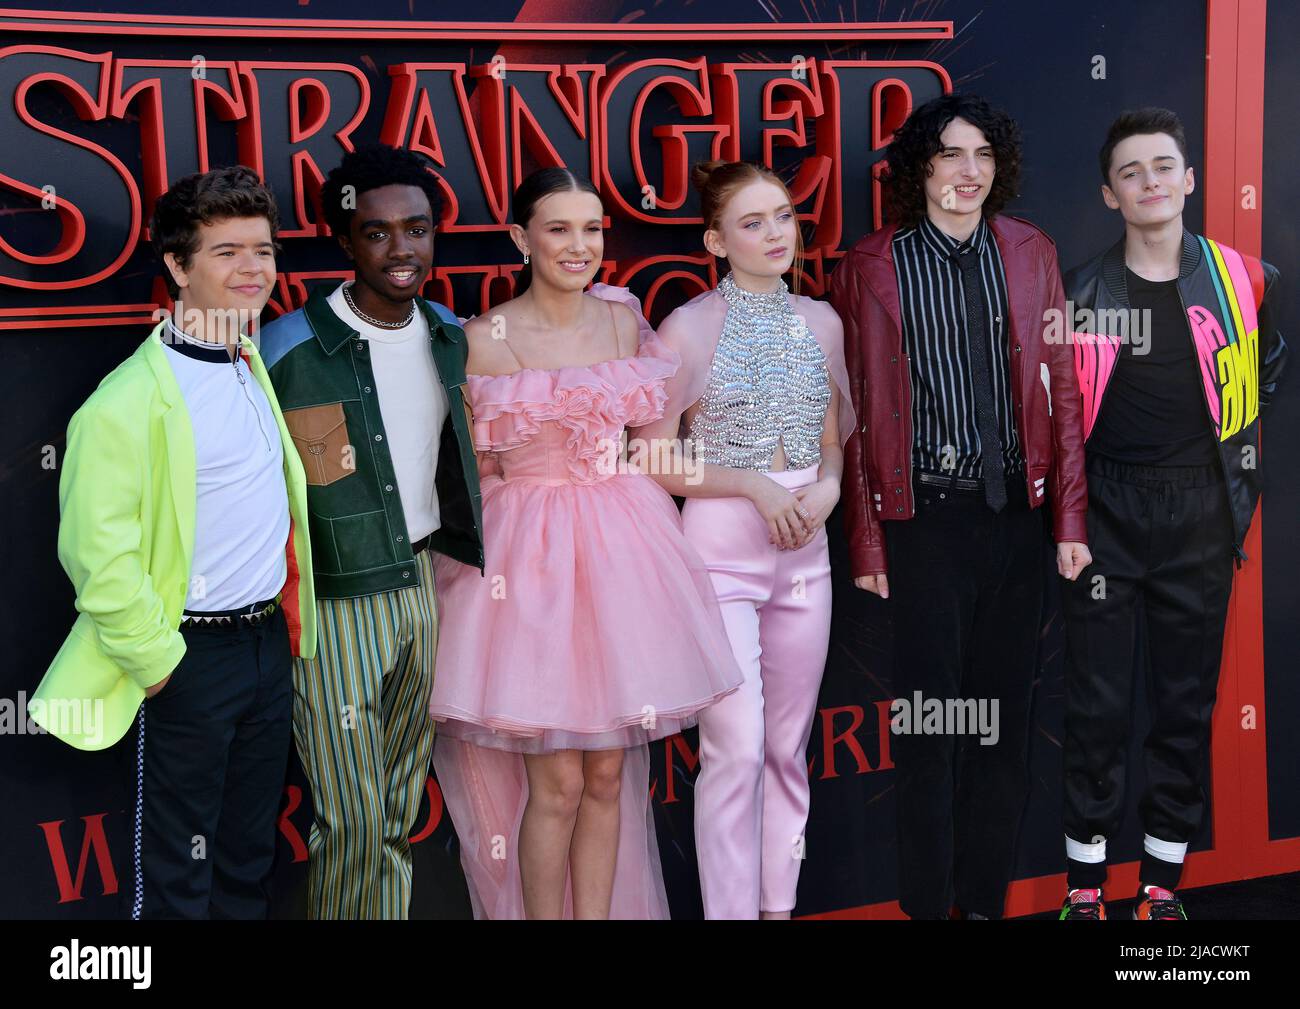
[(1083, 905)]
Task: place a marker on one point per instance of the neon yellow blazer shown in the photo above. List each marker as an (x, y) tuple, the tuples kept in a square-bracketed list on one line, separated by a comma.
[(127, 504)]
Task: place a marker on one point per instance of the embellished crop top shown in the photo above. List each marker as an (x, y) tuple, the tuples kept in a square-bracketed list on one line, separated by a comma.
[(768, 384)]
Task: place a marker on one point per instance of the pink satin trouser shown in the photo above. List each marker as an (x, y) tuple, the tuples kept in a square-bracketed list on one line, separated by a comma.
[(751, 796)]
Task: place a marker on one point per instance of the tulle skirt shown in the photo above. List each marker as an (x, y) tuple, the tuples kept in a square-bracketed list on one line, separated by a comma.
[(594, 626)]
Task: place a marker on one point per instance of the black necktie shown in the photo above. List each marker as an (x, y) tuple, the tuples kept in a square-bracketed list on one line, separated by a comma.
[(992, 469)]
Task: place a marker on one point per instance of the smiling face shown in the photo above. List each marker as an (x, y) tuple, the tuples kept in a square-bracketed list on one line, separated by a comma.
[(390, 239), (960, 174), (232, 270), (1149, 183), (564, 239), (757, 234)]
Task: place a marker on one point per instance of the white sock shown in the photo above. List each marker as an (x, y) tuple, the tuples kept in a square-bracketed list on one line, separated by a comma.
[(1080, 852), (1166, 851)]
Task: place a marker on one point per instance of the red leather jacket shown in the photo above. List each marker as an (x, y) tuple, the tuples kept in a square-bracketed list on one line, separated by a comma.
[(1044, 390)]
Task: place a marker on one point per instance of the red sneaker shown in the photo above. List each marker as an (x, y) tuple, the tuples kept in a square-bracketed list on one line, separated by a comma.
[(1083, 905), (1155, 903)]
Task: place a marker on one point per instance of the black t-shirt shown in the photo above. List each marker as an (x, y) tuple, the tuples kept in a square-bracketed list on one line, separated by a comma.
[(1153, 412)]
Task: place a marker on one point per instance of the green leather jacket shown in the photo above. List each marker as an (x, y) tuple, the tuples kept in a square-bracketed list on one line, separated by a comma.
[(323, 377)]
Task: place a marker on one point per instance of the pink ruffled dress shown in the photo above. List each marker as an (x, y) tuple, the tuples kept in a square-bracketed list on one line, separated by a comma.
[(594, 625)]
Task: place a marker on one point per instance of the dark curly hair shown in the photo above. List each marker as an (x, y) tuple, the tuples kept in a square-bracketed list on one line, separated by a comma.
[(1135, 122), (917, 141), (200, 199), (372, 167)]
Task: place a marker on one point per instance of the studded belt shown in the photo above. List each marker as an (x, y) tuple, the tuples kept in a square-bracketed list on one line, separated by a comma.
[(245, 616)]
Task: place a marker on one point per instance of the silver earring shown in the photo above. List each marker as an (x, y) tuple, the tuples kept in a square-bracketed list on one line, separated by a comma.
[(525, 259)]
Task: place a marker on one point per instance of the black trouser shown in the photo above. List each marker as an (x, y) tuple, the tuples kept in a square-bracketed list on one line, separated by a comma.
[(966, 592), (1161, 537), (211, 772)]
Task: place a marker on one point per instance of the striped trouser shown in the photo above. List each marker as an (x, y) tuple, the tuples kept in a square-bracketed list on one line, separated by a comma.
[(361, 724)]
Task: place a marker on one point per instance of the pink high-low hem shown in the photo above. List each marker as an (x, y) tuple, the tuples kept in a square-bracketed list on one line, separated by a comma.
[(594, 625)]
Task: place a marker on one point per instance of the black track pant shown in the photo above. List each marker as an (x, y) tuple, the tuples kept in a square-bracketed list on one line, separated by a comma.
[(1161, 541), (211, 771)]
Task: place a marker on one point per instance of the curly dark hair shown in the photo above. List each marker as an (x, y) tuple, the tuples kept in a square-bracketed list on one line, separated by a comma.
[(917, 141), (202, 198), (372, 167), (1134, 122)]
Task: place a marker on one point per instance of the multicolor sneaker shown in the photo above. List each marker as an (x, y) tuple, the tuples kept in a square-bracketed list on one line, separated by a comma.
[(1155, 903), (1083, 905)]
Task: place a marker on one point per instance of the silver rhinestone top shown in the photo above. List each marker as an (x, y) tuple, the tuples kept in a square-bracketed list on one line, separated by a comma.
[(768, 384)]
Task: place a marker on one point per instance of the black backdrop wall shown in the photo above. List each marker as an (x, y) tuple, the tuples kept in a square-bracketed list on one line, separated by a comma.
[(64, 826)]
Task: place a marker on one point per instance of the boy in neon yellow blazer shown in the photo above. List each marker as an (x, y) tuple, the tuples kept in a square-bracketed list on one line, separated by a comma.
[(183, 527), (130, 600)]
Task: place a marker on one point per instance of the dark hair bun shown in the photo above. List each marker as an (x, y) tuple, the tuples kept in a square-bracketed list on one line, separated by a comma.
[(702, 171)]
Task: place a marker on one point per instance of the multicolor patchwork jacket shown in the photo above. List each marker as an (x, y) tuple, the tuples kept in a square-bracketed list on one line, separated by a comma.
[(1227, 298)]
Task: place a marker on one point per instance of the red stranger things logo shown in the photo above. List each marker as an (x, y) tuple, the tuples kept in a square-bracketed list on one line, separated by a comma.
[(98, 133)]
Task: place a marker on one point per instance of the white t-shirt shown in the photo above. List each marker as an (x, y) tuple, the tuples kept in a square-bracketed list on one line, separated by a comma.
[(241, 503), (413, 405)]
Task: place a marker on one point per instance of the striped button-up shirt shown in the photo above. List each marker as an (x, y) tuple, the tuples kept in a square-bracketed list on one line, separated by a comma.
[(945, 429)]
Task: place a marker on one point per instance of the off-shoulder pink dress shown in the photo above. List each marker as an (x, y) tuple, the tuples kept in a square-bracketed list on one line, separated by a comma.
[(594, 624)]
